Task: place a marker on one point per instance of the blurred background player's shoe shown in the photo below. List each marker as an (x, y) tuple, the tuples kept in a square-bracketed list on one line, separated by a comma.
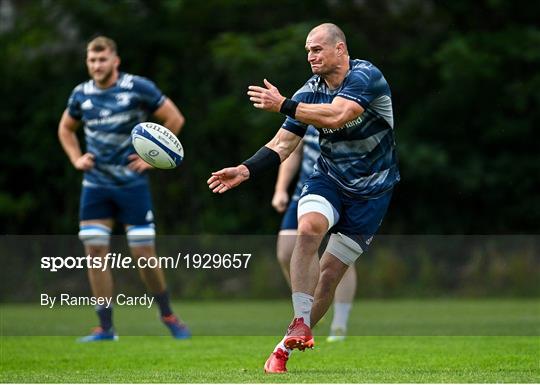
[(299, 335), (337, 335), (277, 362), (99, 334), (177, 328)]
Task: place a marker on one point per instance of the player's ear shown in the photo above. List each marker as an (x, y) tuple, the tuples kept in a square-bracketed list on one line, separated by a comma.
[(340, 47), (117, 61)]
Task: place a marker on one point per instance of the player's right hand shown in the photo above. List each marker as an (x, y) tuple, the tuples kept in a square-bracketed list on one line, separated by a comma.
[(85, 162), (227, 178), (280, 201), (266, 98)]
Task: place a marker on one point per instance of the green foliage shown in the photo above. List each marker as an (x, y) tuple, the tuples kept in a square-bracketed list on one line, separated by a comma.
[(464, 78), (465, 98)]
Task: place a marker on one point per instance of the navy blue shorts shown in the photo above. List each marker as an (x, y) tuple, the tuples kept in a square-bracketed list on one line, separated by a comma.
[(128, 205), (290, 219), (359, 219)]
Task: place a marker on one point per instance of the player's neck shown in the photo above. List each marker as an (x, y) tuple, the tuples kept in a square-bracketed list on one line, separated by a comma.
[(335, 79), (108, 82)]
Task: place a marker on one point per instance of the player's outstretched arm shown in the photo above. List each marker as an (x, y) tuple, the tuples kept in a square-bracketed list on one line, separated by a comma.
[(269, 156), (328, 115)]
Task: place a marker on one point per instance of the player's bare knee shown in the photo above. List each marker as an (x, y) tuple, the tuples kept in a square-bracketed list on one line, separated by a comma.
[(143, 252), (96, 251), (312, 224)]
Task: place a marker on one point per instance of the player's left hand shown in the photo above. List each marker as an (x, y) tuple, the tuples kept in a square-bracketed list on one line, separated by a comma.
[(227, 178), (268, 98), (137, 164)]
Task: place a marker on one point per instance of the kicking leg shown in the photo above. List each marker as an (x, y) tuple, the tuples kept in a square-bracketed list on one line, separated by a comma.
[(332, 270), (341, 252)]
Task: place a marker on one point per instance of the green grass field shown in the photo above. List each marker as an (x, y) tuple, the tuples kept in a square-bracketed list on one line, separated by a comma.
[(394, 341)]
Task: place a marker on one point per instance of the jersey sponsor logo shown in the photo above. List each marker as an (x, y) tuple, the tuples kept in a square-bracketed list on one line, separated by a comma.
[(87, 105), (354, 122), (330, 131), (113, 119), (349, 124)]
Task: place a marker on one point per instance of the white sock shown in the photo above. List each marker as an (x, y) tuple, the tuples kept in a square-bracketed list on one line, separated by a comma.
[(302, 304), (341, 315), (281, 345)]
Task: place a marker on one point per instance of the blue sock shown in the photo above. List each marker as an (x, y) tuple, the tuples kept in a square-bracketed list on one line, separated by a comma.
[(164, 303), (105, 317)]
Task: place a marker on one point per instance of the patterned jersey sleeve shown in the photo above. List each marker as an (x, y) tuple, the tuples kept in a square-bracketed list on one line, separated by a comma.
[(293, 125), (357, 87), (151, 97), (74, 104)]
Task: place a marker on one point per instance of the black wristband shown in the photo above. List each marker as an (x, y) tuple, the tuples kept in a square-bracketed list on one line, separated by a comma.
[(263, 159), (288, 107)]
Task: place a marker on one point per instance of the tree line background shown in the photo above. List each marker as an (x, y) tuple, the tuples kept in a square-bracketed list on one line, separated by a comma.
[(464, 76)]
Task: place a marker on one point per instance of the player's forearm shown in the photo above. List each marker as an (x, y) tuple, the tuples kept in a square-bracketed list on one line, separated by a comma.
[(284, 143), (273, 153), (288, 170), (70, 144), (321, 115)]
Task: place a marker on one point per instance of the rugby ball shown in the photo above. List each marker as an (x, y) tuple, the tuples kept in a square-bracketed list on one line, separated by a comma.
[(157, 145)]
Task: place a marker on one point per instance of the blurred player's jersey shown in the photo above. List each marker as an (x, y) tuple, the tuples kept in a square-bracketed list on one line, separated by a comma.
[(108, 116), (360, 156), (310, 153)]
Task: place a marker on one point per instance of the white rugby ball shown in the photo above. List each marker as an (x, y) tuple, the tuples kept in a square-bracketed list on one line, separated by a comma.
[(157, 145)]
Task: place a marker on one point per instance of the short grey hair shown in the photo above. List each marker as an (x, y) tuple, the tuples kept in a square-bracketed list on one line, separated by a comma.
[(334, 33)]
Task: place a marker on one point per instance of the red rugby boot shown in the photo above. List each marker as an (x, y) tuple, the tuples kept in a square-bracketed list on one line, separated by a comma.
[(299, 335), (277, 362)]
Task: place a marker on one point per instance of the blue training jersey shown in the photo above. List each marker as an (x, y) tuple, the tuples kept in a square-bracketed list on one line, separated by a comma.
[(108, 116), (310, 153), (360, 156)]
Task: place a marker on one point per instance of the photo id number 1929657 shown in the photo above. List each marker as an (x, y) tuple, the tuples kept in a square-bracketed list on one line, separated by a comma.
[(216, 261)]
